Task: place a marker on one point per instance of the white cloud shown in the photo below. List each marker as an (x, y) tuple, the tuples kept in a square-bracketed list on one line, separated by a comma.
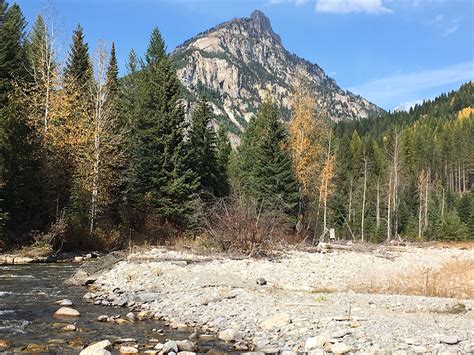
[(387, 89), (348, 6), (438, 18), (406, 106)]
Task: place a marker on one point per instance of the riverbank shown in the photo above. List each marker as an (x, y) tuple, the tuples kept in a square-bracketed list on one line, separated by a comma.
[(304, 301)]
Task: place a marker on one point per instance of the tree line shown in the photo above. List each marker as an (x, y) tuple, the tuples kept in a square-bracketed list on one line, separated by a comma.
[(91, 159)]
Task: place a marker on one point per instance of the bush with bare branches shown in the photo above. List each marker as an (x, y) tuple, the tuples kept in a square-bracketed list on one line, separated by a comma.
[(241, 225)]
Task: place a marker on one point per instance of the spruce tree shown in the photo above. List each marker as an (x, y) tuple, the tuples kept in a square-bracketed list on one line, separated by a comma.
[(117, 165), (268, 175), (202, 141), (78, 66), (20, 193), (162, 181)]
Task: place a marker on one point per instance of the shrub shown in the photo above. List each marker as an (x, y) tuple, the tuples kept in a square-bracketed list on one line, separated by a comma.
[(451, 228), (240, 225)]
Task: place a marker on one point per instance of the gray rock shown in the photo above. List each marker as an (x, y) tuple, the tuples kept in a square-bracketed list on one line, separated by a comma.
[(230, 335), (450, 340), (97, 348), (341, 333), (340, 348), (103, 318), (169, 346), (186, 345), (147, 297), (66, 312), (315, 342), (64, 303), (276, 321)]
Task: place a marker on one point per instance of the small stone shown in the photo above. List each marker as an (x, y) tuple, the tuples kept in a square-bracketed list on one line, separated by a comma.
[(66, 312), (3, 343), (178, 325), (315, 342), (340, 348), (169, 346), (130, 316), (151, 352), (143, 315), (186, 353), (103, 318), (125, 350), (121, 321), (64, 303), (275, 322), (97, 348), (340, 333), (69, 328), (148, 297), (159, 346), (186, 345), (36, 348), (78, 259), (126, 340), (450, 340), (419, 349), (261, 281), (230, 335)]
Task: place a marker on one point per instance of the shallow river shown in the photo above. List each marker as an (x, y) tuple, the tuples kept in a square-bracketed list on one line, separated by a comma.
[(27, 302)]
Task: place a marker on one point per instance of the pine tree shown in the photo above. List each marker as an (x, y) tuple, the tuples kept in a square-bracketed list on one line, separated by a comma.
[(202, 141), (18, 150), (162, 181), (268, 175)]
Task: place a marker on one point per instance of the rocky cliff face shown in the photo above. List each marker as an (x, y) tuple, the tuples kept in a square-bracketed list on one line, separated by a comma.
[(239, 62)]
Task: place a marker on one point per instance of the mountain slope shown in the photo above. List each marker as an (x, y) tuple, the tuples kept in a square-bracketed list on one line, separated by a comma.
[(238, 62)]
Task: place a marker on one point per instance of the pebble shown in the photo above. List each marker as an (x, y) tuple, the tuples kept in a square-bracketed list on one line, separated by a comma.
[(69, 328), (276, 321), (186, 345), (315, 342), (340, 348), (125, 350), (450, 340), (64, 303)]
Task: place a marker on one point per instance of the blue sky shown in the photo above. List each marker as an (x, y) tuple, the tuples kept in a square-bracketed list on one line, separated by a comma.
[(392, 52)]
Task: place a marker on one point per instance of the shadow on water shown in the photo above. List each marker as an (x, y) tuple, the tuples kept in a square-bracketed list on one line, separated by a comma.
[(27, 302)]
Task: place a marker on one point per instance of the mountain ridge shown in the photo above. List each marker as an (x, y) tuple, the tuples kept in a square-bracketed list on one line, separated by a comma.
[(238, 62)]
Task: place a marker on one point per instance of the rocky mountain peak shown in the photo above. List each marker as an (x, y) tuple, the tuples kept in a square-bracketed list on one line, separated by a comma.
[(261, 22), (239, 62)]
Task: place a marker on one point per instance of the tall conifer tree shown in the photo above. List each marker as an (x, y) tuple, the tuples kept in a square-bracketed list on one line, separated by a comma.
[(162, 181)]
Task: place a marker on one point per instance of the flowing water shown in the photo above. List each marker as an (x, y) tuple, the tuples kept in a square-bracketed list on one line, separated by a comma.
[(27, 302)]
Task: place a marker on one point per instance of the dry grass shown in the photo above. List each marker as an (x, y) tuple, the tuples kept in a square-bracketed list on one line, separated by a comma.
[(456, 245), (454, 279)]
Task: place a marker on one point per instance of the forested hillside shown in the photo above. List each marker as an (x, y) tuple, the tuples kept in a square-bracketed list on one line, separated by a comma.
[(413, 169), (89, 160)]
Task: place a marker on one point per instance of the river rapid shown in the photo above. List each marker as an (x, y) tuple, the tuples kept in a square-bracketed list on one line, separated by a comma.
[(28, 295)]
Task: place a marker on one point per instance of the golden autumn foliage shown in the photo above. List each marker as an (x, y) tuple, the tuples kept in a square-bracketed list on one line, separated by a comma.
[(306, 140), (465, 113)]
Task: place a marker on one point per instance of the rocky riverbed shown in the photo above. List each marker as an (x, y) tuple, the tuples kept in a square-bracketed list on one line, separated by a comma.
[(299, 301)]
